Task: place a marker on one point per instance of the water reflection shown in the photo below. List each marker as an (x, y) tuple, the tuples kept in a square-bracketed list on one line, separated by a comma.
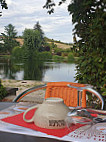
[(59, 72), (8, 70), (36, 70), (33, 70)]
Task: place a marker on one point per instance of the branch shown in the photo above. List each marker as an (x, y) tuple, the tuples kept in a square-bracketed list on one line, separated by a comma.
[(50, 4), (3, 4)]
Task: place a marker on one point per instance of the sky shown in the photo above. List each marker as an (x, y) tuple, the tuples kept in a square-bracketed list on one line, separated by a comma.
[(26, 13)]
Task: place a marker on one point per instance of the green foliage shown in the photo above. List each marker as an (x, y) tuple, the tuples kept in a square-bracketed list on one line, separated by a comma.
[(65, 52), (9, 38), (88, 16), (57, 58), (47, 47), (18, 53), (71, 57), (37, 27), (3, 4), (2, 49), (58, 51), (53, 45), (3, 91), (44, 55), (90, 26), (32, 41), (104, 90)]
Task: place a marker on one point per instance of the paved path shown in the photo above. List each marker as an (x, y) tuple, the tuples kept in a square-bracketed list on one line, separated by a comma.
[(35, 97), (22, 85)]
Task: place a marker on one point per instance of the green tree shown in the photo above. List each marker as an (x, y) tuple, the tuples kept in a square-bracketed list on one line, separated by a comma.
[(3, 91), (37, 27), (88, 16), (90, 26), (32, 41), (17, 53), (8, 38)]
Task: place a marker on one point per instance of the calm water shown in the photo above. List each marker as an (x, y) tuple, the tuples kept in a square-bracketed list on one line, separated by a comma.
[(36, 70), (59, 72)]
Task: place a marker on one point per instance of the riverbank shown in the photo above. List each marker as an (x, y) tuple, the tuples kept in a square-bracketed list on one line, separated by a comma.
[(23, 85)]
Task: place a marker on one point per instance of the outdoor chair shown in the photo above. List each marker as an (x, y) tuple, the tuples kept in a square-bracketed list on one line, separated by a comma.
[(73, 94)]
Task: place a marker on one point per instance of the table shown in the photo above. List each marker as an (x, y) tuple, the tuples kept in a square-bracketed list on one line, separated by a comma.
[(10, 132), (4, 105), (14, 137)]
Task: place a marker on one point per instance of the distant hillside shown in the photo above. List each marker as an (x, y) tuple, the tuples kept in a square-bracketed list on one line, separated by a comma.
[(58, 43), (62, 45), (20, 40)]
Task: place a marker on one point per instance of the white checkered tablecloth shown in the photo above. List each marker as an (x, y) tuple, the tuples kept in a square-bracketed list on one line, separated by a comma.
[(96, 133)]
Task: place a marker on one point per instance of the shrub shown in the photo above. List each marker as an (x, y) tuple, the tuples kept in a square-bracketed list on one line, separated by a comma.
[(57, 51), (103, 89), (17, 53), (57, 58), (47, 48), (70, 57), (45, 55), (3, 91), (64, 54)]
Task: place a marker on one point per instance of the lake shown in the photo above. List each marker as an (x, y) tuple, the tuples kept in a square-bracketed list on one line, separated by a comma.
[(37, 70)]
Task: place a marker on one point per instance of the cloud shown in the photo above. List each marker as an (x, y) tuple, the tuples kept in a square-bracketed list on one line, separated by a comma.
[(24, 14), (9, 2)]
